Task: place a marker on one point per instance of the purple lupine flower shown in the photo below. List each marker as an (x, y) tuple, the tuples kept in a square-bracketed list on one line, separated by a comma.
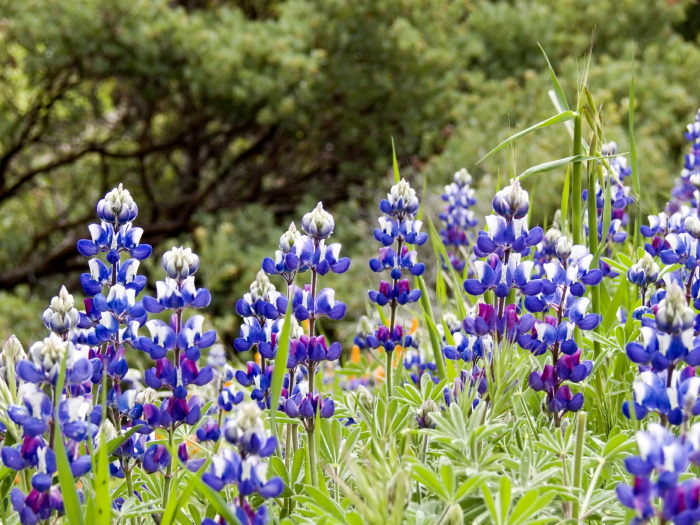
[(458, 220), (156, 459), (247, 433), (44, 362)]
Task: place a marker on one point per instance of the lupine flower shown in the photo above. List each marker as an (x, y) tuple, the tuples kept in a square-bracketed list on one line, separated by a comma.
[(249, 474), (61, 315), (457, 219), (156, 459), (424, 417), (318, 224), (44, 362), (36, 505), (228, 397), (303, 404), (645, 272), (209, 431), (246, 431), (180, 263)]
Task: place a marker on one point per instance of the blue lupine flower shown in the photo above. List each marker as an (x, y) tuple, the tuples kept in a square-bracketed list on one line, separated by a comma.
[(304, 405), (246, 431), (117, 206), (249, 474), (417, 363), (228, 397), (37, 412), (192, 339), (261, 300), (164, 374), (156, 459), (37, 505), (457, 219), (468, 347), (162, 339), (61, 315), (401, 200), (645, 272), (173, 411), (677, 403), (173, 295), (318, 224), (45, 358), (79, 420), (209, 431)]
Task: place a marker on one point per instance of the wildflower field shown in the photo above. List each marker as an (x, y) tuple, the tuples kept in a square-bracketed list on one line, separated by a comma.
[(501, 372)]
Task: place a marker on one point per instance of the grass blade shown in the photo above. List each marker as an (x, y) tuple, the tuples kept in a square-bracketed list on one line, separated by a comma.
[(71, 501), (280, 367), (564, 116)]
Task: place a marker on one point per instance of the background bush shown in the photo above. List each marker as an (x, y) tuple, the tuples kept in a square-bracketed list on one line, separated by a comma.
[(227, 118)]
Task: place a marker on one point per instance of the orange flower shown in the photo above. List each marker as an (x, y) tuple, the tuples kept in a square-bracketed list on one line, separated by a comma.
[(355, 354)]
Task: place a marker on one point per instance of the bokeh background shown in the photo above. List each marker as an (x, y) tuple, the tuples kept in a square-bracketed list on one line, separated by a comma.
[(226, 119)]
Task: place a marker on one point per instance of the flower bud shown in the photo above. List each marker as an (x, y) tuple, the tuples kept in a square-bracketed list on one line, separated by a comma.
[(673, 315), (318, 223), (12, 353), (289, 238), (365, 397), (644, 272), (403, 198), (564, 248), (61, 315), (695, 180), (512, 202), (180, 263), (552, 235), (117, 206), (261, 287), (49, 352), (462, 177), (453, 516), (424, 414), (146, 397), (454, 324), (399, 489), (692, 226), (365, 326)]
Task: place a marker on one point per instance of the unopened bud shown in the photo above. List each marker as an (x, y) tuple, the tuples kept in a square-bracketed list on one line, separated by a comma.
[(462, 177), (564, 248), (399, 489), (289, 238), (512, 202), (692, 226), (117, 206), (180, 263), (424, 415), (365, 397), (673, 314), (453, 516), (318, 224)]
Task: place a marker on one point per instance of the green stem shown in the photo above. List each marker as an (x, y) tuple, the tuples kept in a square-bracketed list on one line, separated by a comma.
[(576, 182), (169, 471), (578, 462), (312, 454), (389, 356)]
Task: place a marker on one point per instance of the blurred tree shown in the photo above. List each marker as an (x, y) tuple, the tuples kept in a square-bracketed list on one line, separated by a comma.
[(204, 105)]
